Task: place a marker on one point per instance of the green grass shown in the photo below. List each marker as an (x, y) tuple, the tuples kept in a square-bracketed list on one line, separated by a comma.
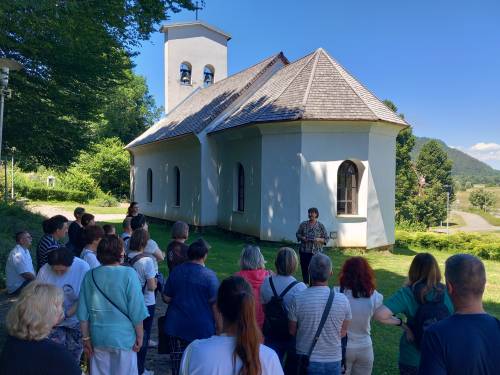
[(70, 206)]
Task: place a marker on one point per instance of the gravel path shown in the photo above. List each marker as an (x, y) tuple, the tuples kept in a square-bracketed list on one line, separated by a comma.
[(49, 211), (475, 223)]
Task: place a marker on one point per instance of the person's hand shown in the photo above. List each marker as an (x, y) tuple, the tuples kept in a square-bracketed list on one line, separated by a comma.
[(409, 334), (319, 239), (87, 348), (137, 345)]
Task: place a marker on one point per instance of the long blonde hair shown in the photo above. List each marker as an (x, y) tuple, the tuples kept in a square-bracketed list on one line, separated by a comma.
[(424, 270), (36, 311)]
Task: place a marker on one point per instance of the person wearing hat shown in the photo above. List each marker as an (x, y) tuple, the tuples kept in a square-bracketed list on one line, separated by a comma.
[(191, 292)]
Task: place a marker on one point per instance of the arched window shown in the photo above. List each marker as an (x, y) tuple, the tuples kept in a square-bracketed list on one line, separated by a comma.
[(208, 75), (185, 73), (347, 189), (150, 185), (240, 188), (177, 186)]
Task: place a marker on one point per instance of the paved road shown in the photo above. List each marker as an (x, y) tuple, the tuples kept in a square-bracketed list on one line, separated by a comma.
[(474, 223)]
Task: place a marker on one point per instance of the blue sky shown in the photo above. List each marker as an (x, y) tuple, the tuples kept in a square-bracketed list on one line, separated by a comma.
[(438, 60)]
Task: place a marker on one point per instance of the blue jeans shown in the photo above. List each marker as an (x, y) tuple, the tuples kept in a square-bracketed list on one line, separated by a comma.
[(324, 368), (147, 324)]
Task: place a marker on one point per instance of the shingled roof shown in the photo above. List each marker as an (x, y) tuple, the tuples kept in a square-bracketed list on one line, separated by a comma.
[(315, 87), (199, 109)]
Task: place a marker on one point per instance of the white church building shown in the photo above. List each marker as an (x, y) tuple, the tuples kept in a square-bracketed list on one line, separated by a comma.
[(251, 152)]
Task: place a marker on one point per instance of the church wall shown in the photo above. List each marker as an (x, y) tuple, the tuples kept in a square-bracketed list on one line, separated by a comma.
[(381, 196), (280, 182), (247, 151), (162, 158), (324, 147)]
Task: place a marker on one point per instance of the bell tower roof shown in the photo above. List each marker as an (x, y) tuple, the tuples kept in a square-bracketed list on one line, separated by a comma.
[(166, 27)]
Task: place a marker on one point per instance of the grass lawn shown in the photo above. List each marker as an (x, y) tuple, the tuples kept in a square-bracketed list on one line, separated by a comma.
[(390, 269), (70, 206)]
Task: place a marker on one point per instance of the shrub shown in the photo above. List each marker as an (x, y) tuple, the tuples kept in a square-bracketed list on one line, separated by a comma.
[(44, 193), (104, 200), (76, 179)]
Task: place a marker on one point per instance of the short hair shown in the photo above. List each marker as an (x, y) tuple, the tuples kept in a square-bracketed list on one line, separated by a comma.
[(138, 240), (35, 312), (50, 226), (126, 222), (198, 249), (92, 233), (314, 210), (79, 211), (138, 221), (110, 250), (180, 230), (466, 274), (286, 261), (251, 258), (19, 235), (60, 256), (108, 229), (320, 267), (87, 218)]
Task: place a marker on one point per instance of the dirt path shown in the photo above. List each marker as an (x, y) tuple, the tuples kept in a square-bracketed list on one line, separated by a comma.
[(474, 223), (49, 211)]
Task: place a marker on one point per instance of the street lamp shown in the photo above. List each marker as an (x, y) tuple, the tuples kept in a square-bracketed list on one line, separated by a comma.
[(448, 188), (6, 65)]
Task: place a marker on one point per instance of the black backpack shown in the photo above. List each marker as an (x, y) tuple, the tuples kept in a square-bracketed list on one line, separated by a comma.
[(276, 321), (427, 313)]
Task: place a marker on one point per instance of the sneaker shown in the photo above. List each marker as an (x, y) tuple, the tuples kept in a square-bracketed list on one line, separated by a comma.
[(148, 372), (152, 344)]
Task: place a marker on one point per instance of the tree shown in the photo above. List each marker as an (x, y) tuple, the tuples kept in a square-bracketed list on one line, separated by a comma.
[(482, 199), (75, 53), (128, 111), (406, 180), (108, 164)]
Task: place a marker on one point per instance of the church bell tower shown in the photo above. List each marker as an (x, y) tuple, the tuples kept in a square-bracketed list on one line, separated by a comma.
[(195, 56)]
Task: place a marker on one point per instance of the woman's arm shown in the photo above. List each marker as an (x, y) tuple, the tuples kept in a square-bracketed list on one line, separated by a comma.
[(139, 335), (345, 325), (385, 316), (166, 298), (151, 284), (87, 343), (159, 255)]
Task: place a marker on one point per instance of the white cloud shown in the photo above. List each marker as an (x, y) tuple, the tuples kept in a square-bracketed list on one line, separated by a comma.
[(488, 152)]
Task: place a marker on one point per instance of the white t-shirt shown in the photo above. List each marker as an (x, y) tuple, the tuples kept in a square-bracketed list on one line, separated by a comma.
[(18, 262), (362, 310), (70, 282), (150, 249), (280, 283), (90, 257), (214, 356), (145, 270), (306, 309)]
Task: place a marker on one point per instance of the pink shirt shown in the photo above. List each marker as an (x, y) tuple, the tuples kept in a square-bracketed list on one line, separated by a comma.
[(255, 278)]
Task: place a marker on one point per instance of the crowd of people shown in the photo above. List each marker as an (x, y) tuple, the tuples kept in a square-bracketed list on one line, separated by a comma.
[(92, 302)]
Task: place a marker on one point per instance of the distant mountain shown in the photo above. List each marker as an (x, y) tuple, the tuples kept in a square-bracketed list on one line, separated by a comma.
[(463, 165)]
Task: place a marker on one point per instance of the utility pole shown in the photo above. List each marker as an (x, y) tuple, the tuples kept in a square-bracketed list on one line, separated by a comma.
[(447, 187), (12, 150)]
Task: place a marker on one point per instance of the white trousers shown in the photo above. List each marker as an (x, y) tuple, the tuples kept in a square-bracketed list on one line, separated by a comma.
[(359, 361), (113, 362)]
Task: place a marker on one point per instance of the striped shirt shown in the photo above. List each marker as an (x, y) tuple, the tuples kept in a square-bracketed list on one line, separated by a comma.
[(46, 244), (306, 309)]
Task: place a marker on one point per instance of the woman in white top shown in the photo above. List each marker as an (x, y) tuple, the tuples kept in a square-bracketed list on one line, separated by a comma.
[(357, 282), (92, 235), (284, 284), (145, 269), (238, 350)]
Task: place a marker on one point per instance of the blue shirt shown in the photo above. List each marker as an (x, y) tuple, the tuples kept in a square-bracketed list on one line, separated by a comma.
[(193, 289), (109, 328), (462, 344)]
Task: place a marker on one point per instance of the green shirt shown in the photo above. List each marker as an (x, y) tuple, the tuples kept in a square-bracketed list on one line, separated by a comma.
[(403, 302)]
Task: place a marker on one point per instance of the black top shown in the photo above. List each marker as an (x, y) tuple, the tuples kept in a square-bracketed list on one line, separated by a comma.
[(75, 235), (176, 254), (462, 344), (42, 357)]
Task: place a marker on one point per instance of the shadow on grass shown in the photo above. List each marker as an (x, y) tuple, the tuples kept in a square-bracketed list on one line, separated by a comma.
[(403, 250)]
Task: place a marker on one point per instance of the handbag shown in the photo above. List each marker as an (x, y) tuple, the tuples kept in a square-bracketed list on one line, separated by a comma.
[(303, 359), (164, 346)]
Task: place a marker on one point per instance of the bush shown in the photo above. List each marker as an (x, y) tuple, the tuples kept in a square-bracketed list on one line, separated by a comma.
[(75, 179), (44, 193), (104, 200), (484, 245)]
